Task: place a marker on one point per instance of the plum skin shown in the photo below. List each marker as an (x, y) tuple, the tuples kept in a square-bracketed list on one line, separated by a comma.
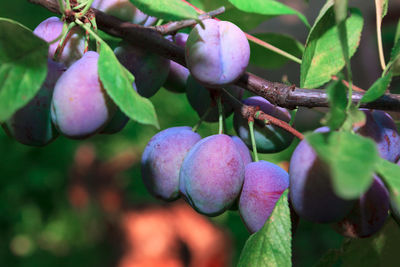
[(50, 29), (269, 138), (381, 128), (178, 74), (80, 106), (150, 70), (369, 213), (311, 189), (243, 150), (200, 99), (124, 10), (31, 125), (212, 174), (264, 183), (218, 54), (162, 159)]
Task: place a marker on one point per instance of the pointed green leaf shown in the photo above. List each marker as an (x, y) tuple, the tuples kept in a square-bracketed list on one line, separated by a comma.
[(377, 89), (350, 166), (337, 102), (23, 66), (323, 56), (271, 246), (395, 55), (390, 173), (268, 7), (166, 9), (267, 59), (118, 83)]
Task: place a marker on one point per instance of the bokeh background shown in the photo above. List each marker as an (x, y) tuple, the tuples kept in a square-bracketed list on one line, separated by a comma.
[(83, 203)]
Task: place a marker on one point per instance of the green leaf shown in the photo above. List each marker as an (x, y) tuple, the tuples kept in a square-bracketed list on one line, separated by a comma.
[(323, 56), (118, 83), (271, 246), (270, 60), (390, 173), (395, 55), (23, 66), (377, 89), (355, 117), (337, 102), (268, 7), (350, 166), (166, 9)]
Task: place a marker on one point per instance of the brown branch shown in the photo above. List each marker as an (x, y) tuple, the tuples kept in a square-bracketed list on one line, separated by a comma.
[(174, 26), (277, 93)]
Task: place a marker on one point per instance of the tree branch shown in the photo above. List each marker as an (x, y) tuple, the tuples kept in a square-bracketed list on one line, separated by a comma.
[(277, 93), (174, 26)]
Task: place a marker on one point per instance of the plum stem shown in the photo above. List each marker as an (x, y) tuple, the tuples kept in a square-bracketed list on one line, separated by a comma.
[(221, 119), (196, 127), (253, 140), (63, 41)]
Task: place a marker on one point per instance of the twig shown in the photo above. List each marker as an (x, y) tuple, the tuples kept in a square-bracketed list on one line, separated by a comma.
[(174, 26), (253, 112), (346, 83), (277, 93)]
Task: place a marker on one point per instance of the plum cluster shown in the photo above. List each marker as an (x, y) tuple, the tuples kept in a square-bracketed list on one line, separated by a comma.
[(73, 101), (311, 190), (212, 174)]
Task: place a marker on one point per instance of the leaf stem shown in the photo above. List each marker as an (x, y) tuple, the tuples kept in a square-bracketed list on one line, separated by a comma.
[(67, 5), (61, 5), (379, 33), (253, 140), (85, 9), (92, 33)]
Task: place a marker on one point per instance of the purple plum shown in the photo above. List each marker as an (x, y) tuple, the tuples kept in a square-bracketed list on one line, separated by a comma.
[(51, 29), (264, 183), (243, 150), (162, 159), (150, 70), (311, 189), (201, 100), (381, 128), (31, 125), (369, 213), (178, 74), (81, 106), (218, 54), (211, 175), (270, 138)]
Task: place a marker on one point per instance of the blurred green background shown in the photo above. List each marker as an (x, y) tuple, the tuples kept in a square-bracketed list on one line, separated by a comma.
[(40, 227)]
